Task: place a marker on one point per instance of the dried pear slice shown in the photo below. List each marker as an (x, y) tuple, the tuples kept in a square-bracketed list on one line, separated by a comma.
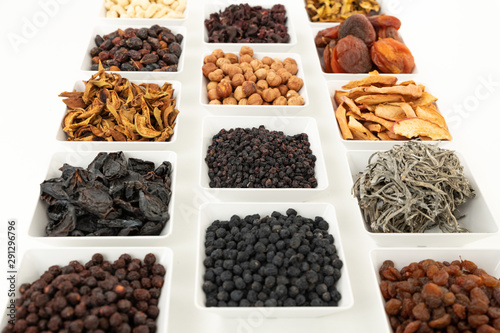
[(143, 129)]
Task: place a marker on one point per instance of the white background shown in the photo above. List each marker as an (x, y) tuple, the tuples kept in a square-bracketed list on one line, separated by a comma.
[(455, 45)]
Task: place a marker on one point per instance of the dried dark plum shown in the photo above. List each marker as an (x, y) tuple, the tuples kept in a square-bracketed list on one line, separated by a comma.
[(175, 48), (121, 55), (170, 59), (127, 67), (98, 40), (179, 38), (134, 43), (168, 37), (111, 197), (106, 45), (149, 59), (94, 51), (142, 33), (134, 55), (154, 42)]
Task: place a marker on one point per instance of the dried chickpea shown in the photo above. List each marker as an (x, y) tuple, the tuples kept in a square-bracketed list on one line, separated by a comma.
[(210, 59), (246, 50), (246, 67), (261, 74), (229, 101), (224, 89), (215, 101), (262, 84), (211, 85), (245, 58), (281, 100), (283, 89), (284, 74), (233, 70), (237, 80), (243, 101), (232, 57), (249, 76), (256, 64), (218, 53), (295, 83), (212, 94), (216, 75), (290, 93), (248, 88), (267, 60), (270, 94), (238, 93), (273, 79), (221, 61), (208, 68), (255, 99), (296, 100)]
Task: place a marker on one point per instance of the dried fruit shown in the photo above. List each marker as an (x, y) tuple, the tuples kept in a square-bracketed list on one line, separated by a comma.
[(392, 56), (352, 55), (339, 10), (111, 108)]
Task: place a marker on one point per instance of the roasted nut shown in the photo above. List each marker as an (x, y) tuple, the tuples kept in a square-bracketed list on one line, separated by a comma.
[(246, 67), (295, 83), (212, 94), (210, 58), (246, 50), (229, 101), (232, 57), (255, 99), (290, 65), (215, 101), (270, 94), (225, 68), (218, 53), (208, 68), (245, 58), (224, 89), (262, 84), (233, 70), (283, 89), (222, 61), (238, 93), (249, 88), (237, 80), (216, 75), (281, 100), (256, 64), (273, 79), (267, 61), (261, 74), (243, 101), (249, 76), (296, 100), (290, 93), (211, 85), (284, 74), (277, 64)]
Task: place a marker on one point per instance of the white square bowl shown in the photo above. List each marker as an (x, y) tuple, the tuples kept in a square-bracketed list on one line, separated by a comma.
[(105, 29), (290, 126), (261, 110), (82, 159), (210, 212), (150, 21), (220, 5), (478, 218), (317, 27), (366, 144), (122, 145), (36, 261), (487, 259)]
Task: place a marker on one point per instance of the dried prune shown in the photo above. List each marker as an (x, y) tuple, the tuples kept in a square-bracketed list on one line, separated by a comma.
[(391, 56), (357, 25), (352, 54)]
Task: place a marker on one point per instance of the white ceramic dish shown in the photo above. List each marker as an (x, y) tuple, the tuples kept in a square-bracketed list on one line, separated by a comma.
[(220, 5), (82, 159), (366, 144), (210, 212), (150, 21), (263, 110), (478, 218), (356, 76), (290, 126), (487, 259), (36, 261), (121, 145), (104, 29)]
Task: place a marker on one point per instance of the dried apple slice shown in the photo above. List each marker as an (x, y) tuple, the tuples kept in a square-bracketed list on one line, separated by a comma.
[(425, 99), (390, 112), (430, 113), (378, 99), (355, 125), (340, 114), (373, 79), (414, 127)]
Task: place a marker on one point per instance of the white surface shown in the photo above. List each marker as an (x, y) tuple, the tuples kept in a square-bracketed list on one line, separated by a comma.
[(453, 46)]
